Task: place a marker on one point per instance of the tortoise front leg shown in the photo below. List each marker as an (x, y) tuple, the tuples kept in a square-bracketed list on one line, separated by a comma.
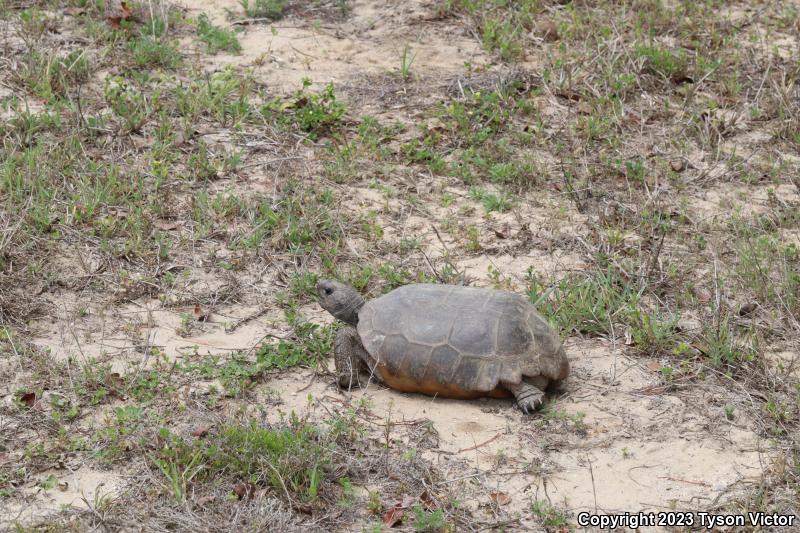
[(529, 396), (350, 357)]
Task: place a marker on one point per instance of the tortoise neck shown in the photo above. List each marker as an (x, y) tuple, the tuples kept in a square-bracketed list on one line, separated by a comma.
[(350, 313)]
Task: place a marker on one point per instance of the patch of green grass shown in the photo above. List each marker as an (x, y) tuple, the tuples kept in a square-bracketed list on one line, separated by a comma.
[(652, 333), (551, 413), (316, 113), (296, 460), (500, 202), (502, 25), (301, 221), (152, 52), (768, 266), (270, 9), (584, 303), (662, 61), (51, 75), (303, 285), (216, 38), (128, 103), (504, 37), (550, 516), (406, 60), (240, 372), (428, 520), (223, 96), (120, 434), (725, 347)]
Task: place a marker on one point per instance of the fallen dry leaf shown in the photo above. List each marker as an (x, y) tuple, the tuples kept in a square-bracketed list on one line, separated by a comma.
[(393, 515), (747, 309), (585, 108), (500, 498), (124, 13), (654, 365), (427, 502), (547, 30), (142, 143), (199, 315), (201, 431), (244, 490), (165, 225), (435, 124), (702, 295), (205, 500), (29, 399), (678, 165), (114, 381)]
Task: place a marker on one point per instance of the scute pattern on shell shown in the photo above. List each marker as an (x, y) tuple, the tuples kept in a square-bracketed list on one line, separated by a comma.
[(464, 337)]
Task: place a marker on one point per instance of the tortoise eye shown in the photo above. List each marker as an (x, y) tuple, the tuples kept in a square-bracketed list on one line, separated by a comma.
[(328, 290)]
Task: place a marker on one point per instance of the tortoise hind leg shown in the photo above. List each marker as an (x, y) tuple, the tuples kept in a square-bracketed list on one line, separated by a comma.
[(529, 393), (350, 359)]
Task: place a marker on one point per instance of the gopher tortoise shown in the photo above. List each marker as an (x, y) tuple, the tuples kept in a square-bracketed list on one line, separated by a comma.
[(445, 340)]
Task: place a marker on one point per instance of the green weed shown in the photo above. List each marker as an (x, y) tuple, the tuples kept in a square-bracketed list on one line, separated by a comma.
[(270, 9), (549, 515), (217, 39), (501, 202), (151, 52), (406, 60)]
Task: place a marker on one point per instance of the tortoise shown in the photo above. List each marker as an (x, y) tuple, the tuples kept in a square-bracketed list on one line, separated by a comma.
[(445, 340)]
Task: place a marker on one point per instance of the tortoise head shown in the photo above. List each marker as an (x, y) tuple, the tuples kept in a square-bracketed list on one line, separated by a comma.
[(340, 300)]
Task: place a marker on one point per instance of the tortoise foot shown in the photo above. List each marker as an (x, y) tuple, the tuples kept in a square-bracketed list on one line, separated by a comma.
[(529, 398), (530, 403)]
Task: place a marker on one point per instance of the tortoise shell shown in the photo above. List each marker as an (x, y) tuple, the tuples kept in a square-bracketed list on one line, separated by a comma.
[(457, 341)]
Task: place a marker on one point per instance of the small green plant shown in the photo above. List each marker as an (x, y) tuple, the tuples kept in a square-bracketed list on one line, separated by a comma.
[(216, 38), (501, 202), (127, 102), (509, 173), (374, 504), (724, 348), (473, 239), (504, 37), (315, 113), (428, 520), (48, 483), (662, 61), (408, 245), (150, 52), (179, 476), (651, 333), (406, 60), (370, 226), (410, 454), (51, 75), (549, 515), (591, 303), (295, 459), (348, 493), (303, 285), (269, 9), (549, 412)]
